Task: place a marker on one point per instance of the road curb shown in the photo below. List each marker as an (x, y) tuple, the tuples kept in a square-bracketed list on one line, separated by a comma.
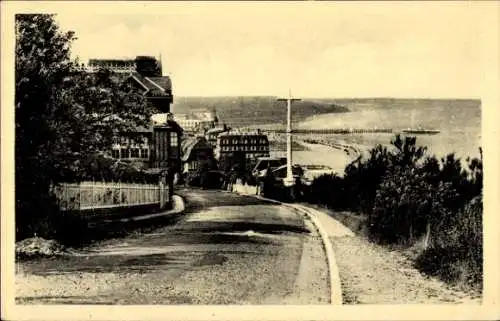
[(335, 285)]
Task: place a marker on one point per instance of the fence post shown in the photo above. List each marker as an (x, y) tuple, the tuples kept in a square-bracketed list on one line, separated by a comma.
[(162, 194)]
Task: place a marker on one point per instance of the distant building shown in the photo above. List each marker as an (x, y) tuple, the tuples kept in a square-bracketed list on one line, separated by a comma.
[(196, 154), (249, 145), (197, 121)]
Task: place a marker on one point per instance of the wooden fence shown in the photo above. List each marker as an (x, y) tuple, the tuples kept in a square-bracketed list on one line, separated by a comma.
[(97, 195)]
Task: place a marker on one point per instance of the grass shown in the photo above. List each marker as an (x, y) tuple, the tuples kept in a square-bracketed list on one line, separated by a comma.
[(355, 222)]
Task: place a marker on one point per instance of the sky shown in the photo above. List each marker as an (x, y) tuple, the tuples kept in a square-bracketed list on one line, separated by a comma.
[(359, 49)]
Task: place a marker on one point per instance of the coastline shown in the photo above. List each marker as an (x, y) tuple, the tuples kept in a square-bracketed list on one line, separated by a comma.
[(333, 153)]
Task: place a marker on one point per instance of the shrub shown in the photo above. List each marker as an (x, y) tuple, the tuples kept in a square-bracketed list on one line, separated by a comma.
[(456, 254), (363, 177), (329, 190), (404, 194), (407, 206)]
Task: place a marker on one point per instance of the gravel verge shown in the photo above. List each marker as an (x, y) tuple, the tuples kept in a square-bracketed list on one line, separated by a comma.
[(374, 274), (371, 274)]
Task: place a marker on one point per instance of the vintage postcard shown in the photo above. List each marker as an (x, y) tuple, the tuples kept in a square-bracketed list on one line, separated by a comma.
[(250, 160)]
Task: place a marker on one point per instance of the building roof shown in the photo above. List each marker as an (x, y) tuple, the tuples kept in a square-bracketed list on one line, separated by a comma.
[(117, 61), (170, 124), (152, 125), (236, 132), (190, 144), (154, 86), (217, 130)]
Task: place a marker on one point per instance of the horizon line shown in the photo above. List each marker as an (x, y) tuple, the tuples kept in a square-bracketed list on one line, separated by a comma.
[(339, 97)]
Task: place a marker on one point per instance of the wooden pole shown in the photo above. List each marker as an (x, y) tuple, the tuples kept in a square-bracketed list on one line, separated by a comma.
[(289, 160)]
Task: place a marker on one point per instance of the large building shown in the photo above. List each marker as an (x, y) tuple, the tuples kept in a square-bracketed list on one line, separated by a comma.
[(144, 72), (249, 145), (157, 146)]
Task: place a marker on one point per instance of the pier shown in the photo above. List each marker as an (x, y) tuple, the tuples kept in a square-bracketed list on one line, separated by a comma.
[(328, 131)]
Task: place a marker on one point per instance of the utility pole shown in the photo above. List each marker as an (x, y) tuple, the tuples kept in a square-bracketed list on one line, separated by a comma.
[(289, 181)]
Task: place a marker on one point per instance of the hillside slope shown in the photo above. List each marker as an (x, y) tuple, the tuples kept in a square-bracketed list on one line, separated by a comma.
[(255, 110)]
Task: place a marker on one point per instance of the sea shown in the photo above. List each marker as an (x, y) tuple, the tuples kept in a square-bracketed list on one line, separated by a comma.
[(459, 123)]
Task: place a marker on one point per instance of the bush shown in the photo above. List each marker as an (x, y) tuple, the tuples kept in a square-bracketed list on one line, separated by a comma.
[(406, 206), (456, 254), (329, 190), (358, 189)]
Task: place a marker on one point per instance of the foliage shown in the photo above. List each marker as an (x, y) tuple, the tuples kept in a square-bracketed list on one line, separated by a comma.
[(408, 196), (456, 254), (405, 204), (328, 189), (363, 177), (61, 115)]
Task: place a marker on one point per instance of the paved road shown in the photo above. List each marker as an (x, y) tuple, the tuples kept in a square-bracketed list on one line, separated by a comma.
[(225, 249)]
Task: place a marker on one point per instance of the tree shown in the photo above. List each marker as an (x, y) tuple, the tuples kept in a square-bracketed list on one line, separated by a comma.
[(61, 115), (42, 63)]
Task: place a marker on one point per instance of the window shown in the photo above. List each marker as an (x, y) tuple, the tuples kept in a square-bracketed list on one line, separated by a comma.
[(174, 139), (145, 153), (134, 153), (235, 141), (124, 153), (115, 153)]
